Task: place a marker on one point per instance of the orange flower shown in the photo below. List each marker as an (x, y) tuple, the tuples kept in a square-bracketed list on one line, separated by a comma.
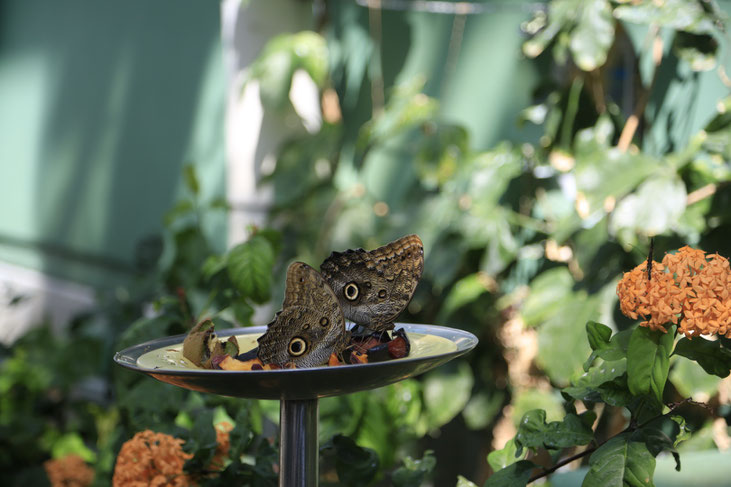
[(657, 300), (68, 471), (706, 279), (151, 459), (689, 289), (224, 445)]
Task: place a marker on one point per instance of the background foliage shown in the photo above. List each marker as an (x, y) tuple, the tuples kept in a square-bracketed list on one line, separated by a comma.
[(524, 245)]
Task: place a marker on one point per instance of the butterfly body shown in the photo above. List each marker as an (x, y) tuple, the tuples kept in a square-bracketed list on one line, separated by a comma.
[(310, 327), (373, 287)]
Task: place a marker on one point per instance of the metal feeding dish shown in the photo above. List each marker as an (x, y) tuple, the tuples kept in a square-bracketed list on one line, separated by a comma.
[(298, 389)]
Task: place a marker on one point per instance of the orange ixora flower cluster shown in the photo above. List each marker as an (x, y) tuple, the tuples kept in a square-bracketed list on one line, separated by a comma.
[(151, 459), (68, 471), (689, 288)]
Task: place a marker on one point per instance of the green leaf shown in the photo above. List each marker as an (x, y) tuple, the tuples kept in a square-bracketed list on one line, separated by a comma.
[(691, 380), (463, 482), (658, 441), (213, 265), (202, 442), (249, 267), (508, 455), (562, 339), (72, 443), (648, 361), (181, 208), (683, 15), (534, 432), (620, 462), (605, 382), (191, 179), (594, 34), (604, 345), (447, 393), (514, 475), (684, 432), (561, 15), (548, 293), (711, 355), (414, 472), (697, 50), (639, 214), (355, 465), (598, 335), (464, 291), (482, 408)]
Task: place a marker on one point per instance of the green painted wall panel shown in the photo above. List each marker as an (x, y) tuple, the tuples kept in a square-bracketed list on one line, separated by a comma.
[(101, 103)]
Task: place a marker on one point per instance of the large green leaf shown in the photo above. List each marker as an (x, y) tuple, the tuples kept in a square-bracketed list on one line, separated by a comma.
[(250, 268), (534, 432), (648, 361), (620, 462), (711, 355), (593, 35)]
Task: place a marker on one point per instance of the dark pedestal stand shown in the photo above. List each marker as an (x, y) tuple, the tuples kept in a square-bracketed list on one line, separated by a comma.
[(298, 445)]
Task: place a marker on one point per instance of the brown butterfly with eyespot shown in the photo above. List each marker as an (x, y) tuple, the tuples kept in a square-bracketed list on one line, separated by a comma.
[(310, 327), (373, 287)]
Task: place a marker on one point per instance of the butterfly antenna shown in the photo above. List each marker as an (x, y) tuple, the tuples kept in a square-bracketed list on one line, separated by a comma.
[(649, 258)]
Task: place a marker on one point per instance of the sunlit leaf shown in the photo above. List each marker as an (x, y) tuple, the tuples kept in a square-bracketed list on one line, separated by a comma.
[(593, 35), (463, 482), (652, 210), (499, 459), (676, 14)]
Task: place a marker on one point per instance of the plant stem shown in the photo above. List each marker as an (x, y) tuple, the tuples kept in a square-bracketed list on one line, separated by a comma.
[(565, 461)]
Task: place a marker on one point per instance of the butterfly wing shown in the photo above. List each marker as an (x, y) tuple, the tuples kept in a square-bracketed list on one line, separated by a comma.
[(374, 287), (310, 326)]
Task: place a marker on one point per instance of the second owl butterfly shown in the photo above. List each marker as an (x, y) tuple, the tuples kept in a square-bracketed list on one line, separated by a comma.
[(310, 327), (373, 287)]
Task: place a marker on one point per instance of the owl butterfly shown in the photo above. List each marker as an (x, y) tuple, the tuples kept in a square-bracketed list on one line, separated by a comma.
[(374, 287), (310, 325)]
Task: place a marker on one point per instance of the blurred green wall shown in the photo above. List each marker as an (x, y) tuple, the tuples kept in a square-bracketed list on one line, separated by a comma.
[(101, 103)]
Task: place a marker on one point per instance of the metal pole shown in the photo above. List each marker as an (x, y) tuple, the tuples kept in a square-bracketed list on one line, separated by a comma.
[(298, 445)]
